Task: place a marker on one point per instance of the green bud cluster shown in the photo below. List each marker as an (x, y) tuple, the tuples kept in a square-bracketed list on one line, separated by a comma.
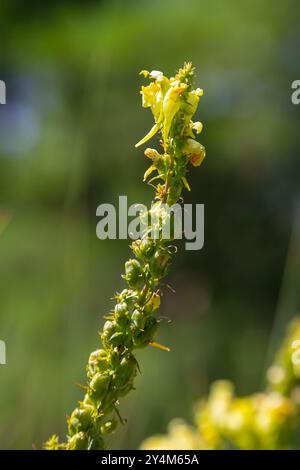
[(132, 324)]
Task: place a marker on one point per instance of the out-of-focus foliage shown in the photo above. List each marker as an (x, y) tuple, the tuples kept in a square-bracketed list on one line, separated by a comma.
[(266, 420)]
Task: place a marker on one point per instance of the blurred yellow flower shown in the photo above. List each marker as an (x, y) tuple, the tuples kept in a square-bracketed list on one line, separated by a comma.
[(266, 420)]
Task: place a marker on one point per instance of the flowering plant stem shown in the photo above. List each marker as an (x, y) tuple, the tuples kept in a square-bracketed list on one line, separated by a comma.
[(131, 325)]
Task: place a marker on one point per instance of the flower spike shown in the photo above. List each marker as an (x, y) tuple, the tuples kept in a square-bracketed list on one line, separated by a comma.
[(133, 324)]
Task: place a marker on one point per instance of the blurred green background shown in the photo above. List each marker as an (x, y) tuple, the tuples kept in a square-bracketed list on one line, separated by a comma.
[(67, 136)]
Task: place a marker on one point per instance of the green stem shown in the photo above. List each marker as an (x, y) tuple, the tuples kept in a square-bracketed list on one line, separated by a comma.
[(111, 370)]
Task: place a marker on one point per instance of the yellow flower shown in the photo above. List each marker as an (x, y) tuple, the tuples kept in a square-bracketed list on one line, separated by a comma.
[(195, 151), (180, 436), (152, 97), (167, 97), (171, 105)]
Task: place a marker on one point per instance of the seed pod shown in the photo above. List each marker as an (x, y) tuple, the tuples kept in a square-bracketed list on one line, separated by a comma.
[(145, 337), (121, 312), (81, 419), (108, 331), (108, 403), (98, 362), (121, 309), (120, 338), (108, 427), (98, 387), (125, 374), (153, 304), (128, 296), (78, 442), (138, 319), (159, 263), (87, 400)]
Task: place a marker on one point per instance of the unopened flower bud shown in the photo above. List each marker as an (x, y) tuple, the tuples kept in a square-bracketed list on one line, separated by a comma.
[(152, 154), (133, 273)]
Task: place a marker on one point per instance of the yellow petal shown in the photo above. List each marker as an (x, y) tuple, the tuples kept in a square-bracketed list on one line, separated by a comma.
[(149, 171), (197, 126), (150, 134), (186, 184), (171, 105)]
